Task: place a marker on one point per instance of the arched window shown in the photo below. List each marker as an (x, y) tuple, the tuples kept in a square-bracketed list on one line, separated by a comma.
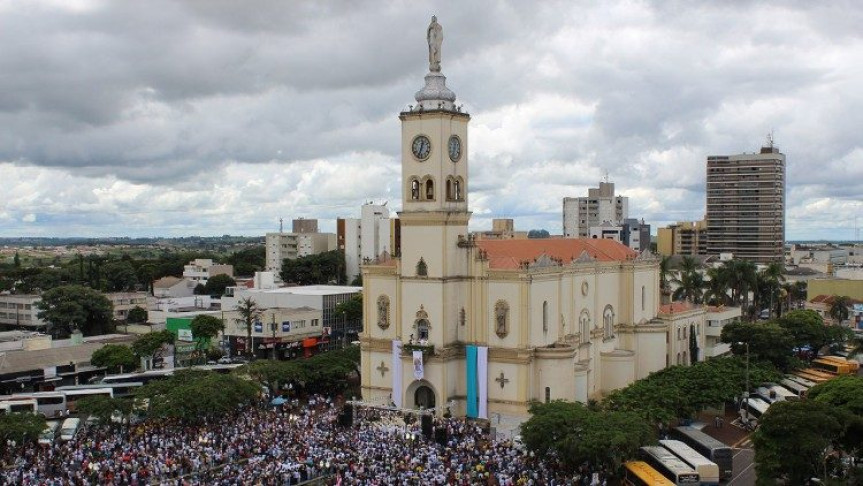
[(430, 190), (383, 312), (584, 325), (422, 324), (547, 394), (449, 193), (457, 189), (501, 318), (422, 268), (415, 190), (545, 316), (684, 359), (462, 317), (643, 297), (678, 358), (608, 322)]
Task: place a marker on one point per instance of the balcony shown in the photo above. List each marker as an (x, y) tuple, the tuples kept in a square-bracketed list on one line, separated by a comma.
[(409, 348)]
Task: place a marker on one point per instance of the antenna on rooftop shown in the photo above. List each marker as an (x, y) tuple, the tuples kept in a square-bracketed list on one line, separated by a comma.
[(606, 176), (770, 139), (281, 225)]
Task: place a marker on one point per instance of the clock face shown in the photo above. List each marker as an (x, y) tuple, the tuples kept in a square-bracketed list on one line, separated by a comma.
[(421, 147), (454, 148)]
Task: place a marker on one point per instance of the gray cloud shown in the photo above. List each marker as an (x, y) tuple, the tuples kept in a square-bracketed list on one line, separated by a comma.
[(215, 117)]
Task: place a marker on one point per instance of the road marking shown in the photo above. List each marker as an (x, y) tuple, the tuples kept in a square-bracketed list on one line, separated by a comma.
[(730, 483), (745, 439)]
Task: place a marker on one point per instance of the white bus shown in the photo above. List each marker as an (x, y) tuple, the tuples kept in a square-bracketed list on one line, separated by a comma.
[(669, 465), (801, 380), (794, 387), (49, 433), (140, 377), (772, 393), (49, 404), (754, 408), (19, 405), (707, 470), (709, 447), (69, 429), (73, 394), (118, 390)]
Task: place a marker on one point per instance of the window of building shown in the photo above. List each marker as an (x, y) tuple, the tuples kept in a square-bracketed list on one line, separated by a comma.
[(545, 316), (415, 189), (584, 325), (430, 190), (547, 394), (643, 297), (608, 322)]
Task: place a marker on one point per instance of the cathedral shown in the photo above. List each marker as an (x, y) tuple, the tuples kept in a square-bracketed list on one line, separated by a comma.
[(487, 326)]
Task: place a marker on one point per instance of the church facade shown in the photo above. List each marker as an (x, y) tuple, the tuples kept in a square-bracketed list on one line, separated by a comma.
[(487, 326)]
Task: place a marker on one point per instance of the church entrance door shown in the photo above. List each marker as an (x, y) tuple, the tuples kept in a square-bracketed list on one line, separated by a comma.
[(424, 397)]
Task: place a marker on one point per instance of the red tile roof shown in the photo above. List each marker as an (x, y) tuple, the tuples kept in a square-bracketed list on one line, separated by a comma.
[(673, 307), (510, 253), (828, 299)]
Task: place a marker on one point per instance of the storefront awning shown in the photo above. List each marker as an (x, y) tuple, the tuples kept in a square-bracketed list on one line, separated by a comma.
[(310, 342)]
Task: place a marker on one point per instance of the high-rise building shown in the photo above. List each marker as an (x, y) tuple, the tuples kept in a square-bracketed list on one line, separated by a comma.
[(600, 206), (304, 241), (683, 238), (746, 205), (366, 238)]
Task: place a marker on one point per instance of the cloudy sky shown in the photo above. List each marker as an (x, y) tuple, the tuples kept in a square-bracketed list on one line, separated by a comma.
[(217, 117)]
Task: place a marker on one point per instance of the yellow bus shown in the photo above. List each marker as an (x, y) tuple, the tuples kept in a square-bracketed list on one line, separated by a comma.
[(639, 473), (831, 366), (853, 365), (814, 375)]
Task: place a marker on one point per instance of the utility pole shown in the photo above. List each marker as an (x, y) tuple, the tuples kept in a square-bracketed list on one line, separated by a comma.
[(273, 328)]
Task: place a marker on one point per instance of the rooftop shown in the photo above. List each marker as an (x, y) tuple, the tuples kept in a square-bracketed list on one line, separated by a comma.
[(313, 290), (511, 253)]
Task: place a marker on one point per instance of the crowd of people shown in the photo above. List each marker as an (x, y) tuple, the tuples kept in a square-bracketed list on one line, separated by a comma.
[(287, 445)]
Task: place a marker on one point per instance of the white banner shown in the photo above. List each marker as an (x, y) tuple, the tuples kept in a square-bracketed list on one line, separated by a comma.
[(482, 377), (418, 365), (396, 394)]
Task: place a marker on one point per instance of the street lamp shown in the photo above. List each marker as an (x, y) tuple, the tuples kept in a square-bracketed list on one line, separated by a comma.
[(746, 391)]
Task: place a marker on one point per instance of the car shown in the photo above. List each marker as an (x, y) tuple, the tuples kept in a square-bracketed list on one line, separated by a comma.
[(225, 360), (239, 360)]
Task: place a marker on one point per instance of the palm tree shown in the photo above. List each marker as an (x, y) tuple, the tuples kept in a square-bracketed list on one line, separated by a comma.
[(768, 285), (689, 281), (839, 308), (741, 278), (249, 313), (715, 287), (664, 270)]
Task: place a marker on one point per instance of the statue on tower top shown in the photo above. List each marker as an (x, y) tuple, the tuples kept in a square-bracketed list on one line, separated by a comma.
[(434, 34)]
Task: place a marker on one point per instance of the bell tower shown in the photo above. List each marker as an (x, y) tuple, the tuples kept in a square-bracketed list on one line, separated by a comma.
[(434, 175)]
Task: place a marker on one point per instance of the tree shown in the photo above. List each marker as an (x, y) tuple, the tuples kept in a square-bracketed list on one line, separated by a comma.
[(715, 287), (195, 395), (248, 260), (839, 308), (768, 285), (217, 284), (20, 427), (793, 439), (538, 233), (846, 394), (351, 309), (807, 329), (689, 281), (664, 271), (322, 268), (200, 289), (204, 328), (103, 407), (16, 262), (249, 313), (766, 340), (740, 276), (120, 276), (149, 346), (74, 306), (114, 357), (575, 434), (136, 315)]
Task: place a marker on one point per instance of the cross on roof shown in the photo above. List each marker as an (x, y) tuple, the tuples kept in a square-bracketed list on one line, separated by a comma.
[(383, 369), (502, 380)]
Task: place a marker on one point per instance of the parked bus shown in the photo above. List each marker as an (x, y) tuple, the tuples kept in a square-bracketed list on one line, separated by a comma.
[(756, 407), (47, 436), (794, 387), (708, 447), (669, 465), (49, 404), (772, 393), (852, 365), (832, 366), (69, 429), (118, 390), (143, 377), (19, 405), (707, 470), (639, 473), (803, 381), (73, 394), (811, 374)]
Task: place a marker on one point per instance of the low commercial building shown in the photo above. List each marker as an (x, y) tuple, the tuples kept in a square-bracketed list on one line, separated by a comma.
[(168, 287), (123, 302), (19, 311), (682, 238), (201, 270), (716, 319)]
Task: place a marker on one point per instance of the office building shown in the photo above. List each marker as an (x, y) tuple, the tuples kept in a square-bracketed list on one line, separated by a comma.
[(305, 240), (600, 206)]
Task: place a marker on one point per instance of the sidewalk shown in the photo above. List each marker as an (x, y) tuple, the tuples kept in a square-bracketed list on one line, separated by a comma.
[(728, 434)]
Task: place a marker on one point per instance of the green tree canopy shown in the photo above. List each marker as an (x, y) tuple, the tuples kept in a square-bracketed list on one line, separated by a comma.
[(840, 308), (150, 345), (322, 372), (351, 309), (114, 357), (844, 393), (249, 313), (217, 284), (18, 426), (205, 327), (103, 407), (70, 306), (248, 260), (137, 315), (576, 434), (805, 327), (322, 268), (792, 440), (195, 395), (766, 340), (120, 276)]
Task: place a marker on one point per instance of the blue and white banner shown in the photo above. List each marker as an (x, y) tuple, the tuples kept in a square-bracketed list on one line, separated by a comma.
[(259, 327), (470, 379), (419, 369), (397, 373), (482, 379), (286, 326)]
